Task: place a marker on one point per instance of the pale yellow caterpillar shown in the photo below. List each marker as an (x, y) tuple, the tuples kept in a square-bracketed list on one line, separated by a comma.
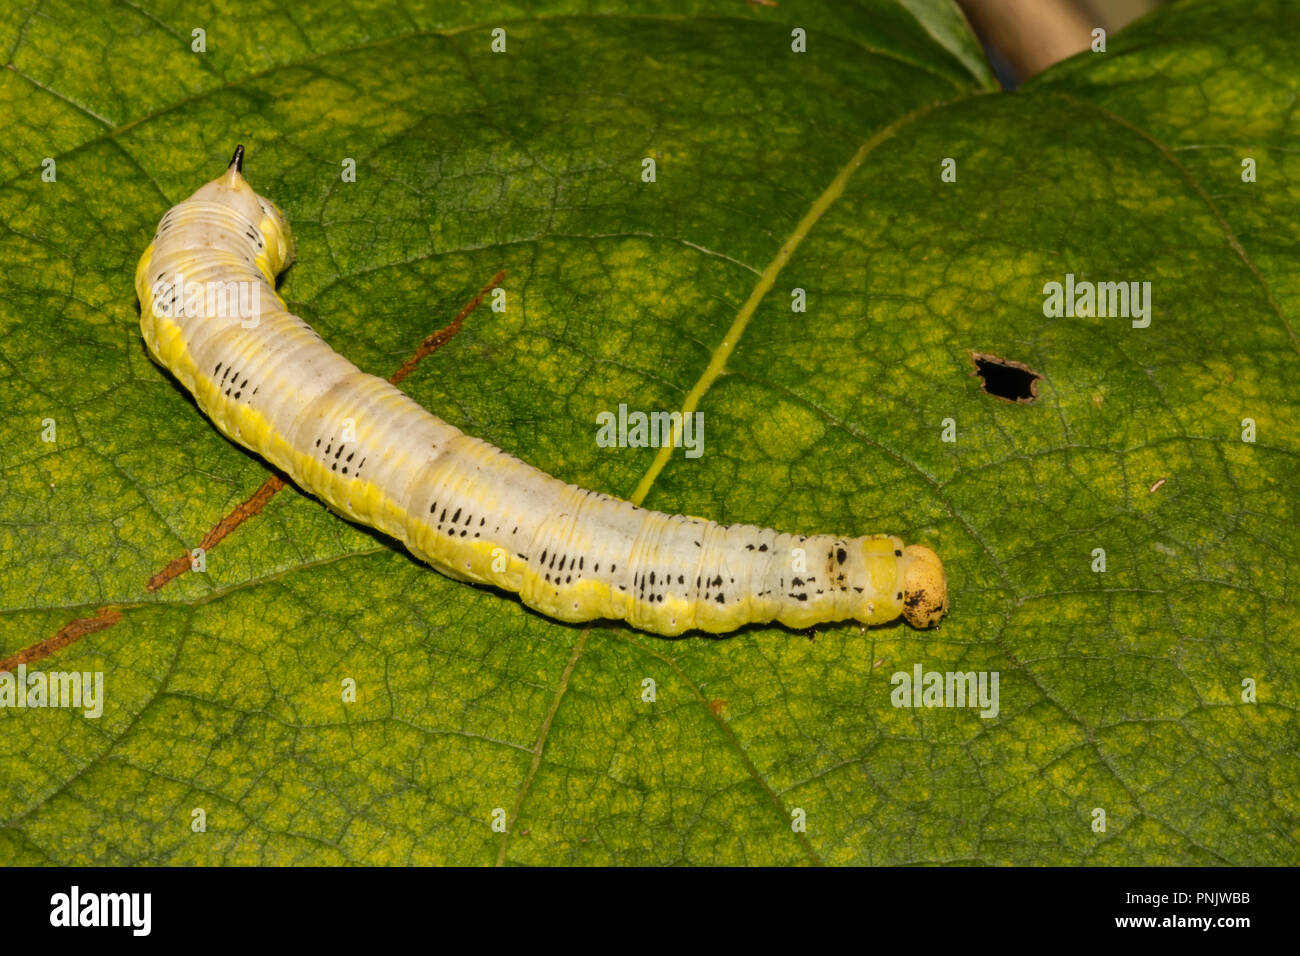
[(270, 383)]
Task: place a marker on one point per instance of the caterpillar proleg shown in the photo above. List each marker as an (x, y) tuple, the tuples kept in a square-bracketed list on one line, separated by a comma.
[(270, 383)]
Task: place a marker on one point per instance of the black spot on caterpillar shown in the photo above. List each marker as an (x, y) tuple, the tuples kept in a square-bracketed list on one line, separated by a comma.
[(308, 404)]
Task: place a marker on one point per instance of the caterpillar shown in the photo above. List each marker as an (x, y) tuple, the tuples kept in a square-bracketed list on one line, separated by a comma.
[(270, 383)]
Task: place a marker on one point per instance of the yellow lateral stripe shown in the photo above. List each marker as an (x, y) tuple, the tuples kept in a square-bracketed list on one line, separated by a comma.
[(765, 282)]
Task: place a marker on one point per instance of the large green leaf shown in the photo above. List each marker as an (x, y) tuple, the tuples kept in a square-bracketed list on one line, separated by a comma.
[(776, 170)]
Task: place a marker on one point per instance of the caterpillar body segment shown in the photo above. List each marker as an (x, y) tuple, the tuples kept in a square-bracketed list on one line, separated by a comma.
[(271, 383)]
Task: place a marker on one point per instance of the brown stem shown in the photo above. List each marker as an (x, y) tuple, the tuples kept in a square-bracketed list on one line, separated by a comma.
[(1031, 34)]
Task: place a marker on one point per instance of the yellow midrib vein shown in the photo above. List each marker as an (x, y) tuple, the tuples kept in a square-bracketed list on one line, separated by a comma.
[(718, 361)]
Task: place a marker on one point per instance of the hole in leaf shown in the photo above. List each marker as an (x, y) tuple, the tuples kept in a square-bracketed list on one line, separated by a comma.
[(1007, 379)]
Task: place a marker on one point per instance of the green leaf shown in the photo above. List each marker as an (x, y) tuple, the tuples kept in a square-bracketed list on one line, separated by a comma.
[(776, 170)]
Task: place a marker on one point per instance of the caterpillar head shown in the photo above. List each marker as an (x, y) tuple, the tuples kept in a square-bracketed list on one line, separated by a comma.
[(925, 587), (232, 189)]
